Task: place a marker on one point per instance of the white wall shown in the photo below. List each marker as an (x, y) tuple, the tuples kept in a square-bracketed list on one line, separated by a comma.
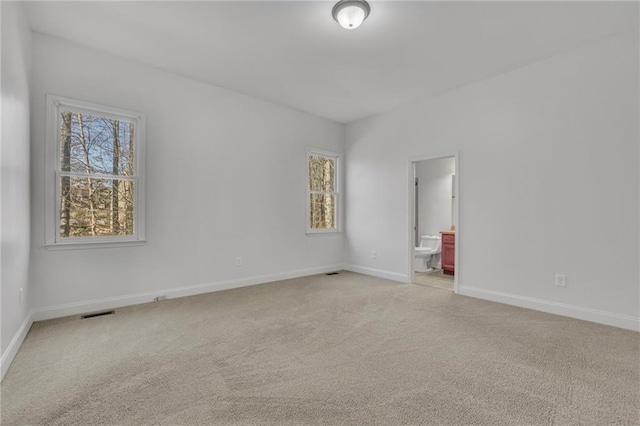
[(435, 203), (548, 184), (226, 176), (16, 57)]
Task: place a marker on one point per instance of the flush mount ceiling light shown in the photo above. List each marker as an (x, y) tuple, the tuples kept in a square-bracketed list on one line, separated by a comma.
[(350, 13)]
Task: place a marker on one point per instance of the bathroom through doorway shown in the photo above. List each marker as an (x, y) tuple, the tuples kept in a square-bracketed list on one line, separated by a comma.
[(434, 222)]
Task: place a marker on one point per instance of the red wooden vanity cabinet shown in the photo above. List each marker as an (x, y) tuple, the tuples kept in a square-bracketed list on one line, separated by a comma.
[(448, 252)]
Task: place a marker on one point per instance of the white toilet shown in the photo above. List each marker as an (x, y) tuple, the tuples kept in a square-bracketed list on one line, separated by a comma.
[(428, 254)]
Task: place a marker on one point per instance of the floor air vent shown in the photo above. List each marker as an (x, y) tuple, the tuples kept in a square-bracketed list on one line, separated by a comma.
[(97, 314), (333, 273)]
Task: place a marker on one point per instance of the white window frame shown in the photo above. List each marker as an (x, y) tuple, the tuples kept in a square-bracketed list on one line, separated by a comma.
[(53, 240), (337, 192)]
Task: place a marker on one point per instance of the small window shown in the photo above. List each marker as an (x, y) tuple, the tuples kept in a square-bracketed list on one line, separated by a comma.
[(322, 192), (95, 181)]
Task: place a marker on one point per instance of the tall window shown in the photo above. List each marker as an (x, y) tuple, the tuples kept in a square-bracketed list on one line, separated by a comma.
[(323, 196), (94, 177)]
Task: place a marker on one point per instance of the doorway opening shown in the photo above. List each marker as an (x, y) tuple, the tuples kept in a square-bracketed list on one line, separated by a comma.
[(434, 230)]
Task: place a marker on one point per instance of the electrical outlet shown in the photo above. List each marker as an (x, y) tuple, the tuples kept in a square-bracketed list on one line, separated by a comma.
[(159, 298), (238, 262), (374, 254), (561, 280), (357, 253)]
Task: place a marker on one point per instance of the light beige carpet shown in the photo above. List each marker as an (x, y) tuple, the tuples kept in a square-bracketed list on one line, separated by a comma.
[(343, 349)]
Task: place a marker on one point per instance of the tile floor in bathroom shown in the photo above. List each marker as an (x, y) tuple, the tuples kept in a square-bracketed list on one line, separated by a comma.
[(436, 278)]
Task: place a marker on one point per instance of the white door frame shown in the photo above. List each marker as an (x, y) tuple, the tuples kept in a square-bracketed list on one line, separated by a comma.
[(412, 220)]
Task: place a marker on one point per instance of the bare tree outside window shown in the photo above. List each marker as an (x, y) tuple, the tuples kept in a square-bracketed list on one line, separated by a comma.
[(96, 173), (323, 194)]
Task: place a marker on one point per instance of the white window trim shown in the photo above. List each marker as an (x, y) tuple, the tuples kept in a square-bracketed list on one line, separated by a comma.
[(338, 193), (52, 174)]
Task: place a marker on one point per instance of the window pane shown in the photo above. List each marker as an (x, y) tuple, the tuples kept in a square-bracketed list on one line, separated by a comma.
[(322, 211), (322, 173), (91, 207), (92, 144)]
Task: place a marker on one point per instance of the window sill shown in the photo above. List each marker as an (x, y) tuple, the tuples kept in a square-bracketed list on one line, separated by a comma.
[(322, 233), (93, 245)]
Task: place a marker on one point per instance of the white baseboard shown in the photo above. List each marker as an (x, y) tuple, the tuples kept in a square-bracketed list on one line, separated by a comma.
[(587, 314), (393, 276), (68, 309), (14, 346)]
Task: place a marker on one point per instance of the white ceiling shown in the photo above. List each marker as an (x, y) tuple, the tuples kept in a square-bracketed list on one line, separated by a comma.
[(294, 54)]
